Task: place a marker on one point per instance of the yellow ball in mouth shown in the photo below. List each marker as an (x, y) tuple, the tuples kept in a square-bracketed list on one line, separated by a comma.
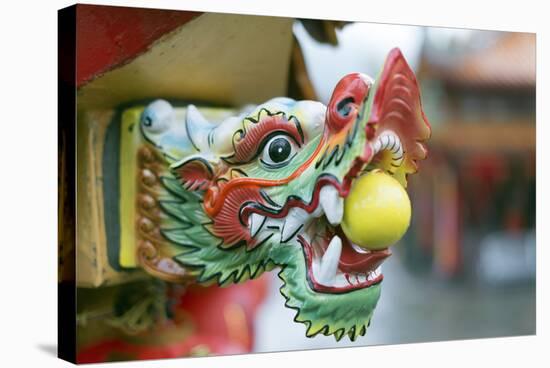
[(377, 211)]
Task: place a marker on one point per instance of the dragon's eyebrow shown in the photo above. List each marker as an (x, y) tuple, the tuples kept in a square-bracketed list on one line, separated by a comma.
[(252, 139)]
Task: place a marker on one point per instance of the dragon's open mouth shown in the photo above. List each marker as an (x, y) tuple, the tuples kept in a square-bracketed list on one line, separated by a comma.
[(334, 263)]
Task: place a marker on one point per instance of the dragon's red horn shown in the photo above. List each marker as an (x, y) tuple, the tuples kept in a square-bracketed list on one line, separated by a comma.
[(397, 107)]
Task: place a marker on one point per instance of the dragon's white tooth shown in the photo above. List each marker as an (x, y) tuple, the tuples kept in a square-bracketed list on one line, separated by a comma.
[(294, 220), (329, 262), (332, 204), (374, 274), (255, 223)]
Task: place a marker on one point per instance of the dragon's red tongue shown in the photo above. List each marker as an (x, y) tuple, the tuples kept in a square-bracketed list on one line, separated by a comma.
[(354, 261)]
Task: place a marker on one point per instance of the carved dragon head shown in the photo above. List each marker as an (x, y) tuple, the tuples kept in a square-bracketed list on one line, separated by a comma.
[(265, 189)]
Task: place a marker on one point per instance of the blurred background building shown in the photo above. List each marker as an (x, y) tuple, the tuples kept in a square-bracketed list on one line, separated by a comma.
[(466, 268)]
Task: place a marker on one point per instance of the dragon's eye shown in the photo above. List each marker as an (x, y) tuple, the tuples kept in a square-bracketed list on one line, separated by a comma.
[(278, 151)]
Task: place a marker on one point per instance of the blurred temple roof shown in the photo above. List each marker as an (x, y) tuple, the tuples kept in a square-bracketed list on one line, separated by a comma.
[(509, 62)]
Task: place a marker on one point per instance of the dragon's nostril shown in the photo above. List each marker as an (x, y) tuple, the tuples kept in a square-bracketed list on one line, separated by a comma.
[(340, 113), (344, 106), (348, 94)]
